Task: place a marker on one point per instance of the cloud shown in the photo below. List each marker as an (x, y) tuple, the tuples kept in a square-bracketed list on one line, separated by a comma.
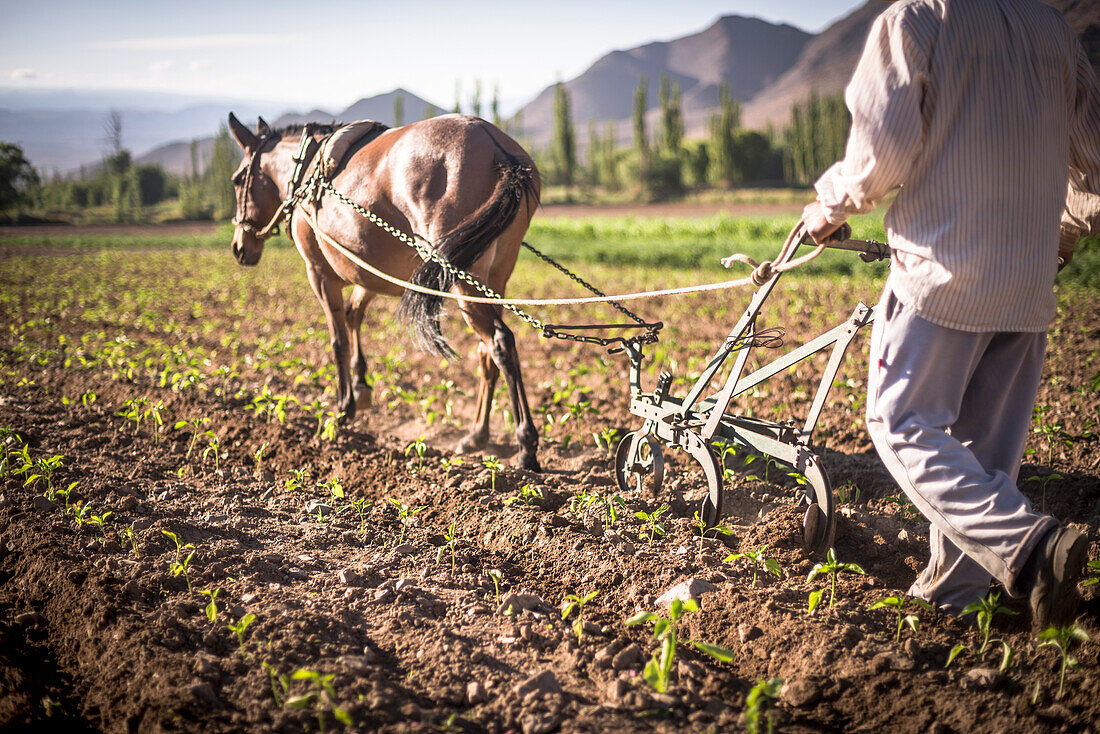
[(190, 43), (200, 65), (160, 67), (23, 74)]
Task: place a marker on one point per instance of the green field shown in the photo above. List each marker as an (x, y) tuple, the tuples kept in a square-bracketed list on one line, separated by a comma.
[(692, 243)]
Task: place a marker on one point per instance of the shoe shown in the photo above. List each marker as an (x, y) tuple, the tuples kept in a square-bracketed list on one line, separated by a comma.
[(1051, 574)]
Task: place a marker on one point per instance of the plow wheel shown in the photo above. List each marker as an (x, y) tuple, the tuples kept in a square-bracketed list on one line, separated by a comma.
[(819, 522), (711, 509), (639, 463)]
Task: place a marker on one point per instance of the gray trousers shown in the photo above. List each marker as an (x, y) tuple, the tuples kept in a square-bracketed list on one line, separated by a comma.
[(949, 412)]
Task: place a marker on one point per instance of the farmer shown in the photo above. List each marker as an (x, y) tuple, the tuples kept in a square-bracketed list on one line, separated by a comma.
[(979, 112)]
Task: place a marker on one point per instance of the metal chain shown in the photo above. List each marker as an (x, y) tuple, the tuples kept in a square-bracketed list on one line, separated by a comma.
[(592, 289)]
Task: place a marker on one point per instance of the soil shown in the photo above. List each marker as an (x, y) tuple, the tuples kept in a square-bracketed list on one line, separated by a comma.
[(97, 633)]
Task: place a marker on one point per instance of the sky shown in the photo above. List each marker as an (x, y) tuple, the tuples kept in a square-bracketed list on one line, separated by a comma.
[(330, 54)]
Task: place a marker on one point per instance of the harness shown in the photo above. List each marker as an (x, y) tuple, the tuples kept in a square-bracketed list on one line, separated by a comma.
[(307, 149)]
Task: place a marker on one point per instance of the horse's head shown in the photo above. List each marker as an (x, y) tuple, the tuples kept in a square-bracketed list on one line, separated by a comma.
[(257, 195)]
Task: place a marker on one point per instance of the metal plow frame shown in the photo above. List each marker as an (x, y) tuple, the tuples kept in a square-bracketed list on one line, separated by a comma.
[(693, 422)]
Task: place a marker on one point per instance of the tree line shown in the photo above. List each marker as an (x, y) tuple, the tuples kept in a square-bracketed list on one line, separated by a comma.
[(654, 163)]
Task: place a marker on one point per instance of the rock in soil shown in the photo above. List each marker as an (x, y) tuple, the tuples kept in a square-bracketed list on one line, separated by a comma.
[(690, 589)]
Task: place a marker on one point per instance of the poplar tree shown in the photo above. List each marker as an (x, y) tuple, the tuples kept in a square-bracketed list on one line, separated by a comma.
[(475, 100), (495, 106), (724, 126), (672, 119), (641, 140), (564, 145), (399, 110)]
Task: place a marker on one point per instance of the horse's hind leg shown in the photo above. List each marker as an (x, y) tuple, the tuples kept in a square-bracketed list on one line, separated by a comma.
[(353, 313), (501, 345), (329, 293), (488, 370)]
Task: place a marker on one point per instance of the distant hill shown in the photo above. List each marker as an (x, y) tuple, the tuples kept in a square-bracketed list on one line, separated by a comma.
[(176, 156), (745, 53), (827, 62)]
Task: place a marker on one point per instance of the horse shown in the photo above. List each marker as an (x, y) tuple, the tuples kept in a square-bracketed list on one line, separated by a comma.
[(459, 182)]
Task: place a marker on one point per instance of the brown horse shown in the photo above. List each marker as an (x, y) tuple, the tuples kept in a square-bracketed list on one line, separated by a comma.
[(459, 182)]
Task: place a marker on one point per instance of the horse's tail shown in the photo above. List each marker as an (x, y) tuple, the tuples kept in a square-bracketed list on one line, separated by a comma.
[(517, 184)]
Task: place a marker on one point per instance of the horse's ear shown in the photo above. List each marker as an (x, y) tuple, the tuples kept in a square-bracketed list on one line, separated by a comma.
[(262, 127), (244, 137)]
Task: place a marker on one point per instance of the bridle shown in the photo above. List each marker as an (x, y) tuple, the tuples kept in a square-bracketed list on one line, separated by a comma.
[(241, 221), (306, 149)]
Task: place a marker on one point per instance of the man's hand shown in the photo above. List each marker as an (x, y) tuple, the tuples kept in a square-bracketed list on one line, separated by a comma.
[(813, 216), (1064, 256)]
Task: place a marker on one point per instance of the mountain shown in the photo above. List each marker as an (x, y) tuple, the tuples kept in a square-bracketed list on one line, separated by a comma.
[(175, 157), (745, 53), (827, 62)]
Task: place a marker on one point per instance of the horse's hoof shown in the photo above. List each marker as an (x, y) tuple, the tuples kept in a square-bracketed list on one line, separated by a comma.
[(530, 463), (364, 396), (470, 444)]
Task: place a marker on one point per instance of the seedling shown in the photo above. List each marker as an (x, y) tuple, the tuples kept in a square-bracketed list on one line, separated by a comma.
[(405, 514), (298, 478), (134, 411), (609, 502), (450, 545), (572, 601), (213, 447), (985, 609), (180, 565), (127, 535), (450, 463), (258, 454), (833, 568), (607, 439), (211, 608), (758, 705), (283, 681), (496, 577), (334, 487), (417, 447), (1043, 482), (1062, 639), (582, 499), (67, 493), (99, 522), (322, 697), (493, 464), (528, 495), (43, 469), (153, 412), (1094, 575), (756, 557), (898, 603), (193, 424), (701, 525), (665, 631), (361, 505), (331, 425), (1052, 431), (239, 630), (655, 528)]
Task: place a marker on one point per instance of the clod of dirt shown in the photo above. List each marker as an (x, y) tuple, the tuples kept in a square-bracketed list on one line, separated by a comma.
[(521, 601), (980, 678), (630, 657), (538, 685)]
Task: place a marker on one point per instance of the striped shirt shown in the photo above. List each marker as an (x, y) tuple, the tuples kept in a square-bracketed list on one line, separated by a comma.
[(984, 113)]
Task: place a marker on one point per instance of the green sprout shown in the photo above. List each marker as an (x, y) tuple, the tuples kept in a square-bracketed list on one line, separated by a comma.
[(258, 454), (1043, 482), (572, 601), (758, 703), (321, 696), (180, 566), (1062, 639), (418, 447), (213, 447), (493, 464), (607, 439), (450, 463), (756, 557), (334, 487), (211, 608), (451, 544), (528, 495), (405, 514), (497, 577), (239, 629), (194, 424), (99, 522), (298, 478), (127, 535), (985, 609), (665, 631), (1094, 575), (361, 505), (898, 603), (833, 568), (655, 528)]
